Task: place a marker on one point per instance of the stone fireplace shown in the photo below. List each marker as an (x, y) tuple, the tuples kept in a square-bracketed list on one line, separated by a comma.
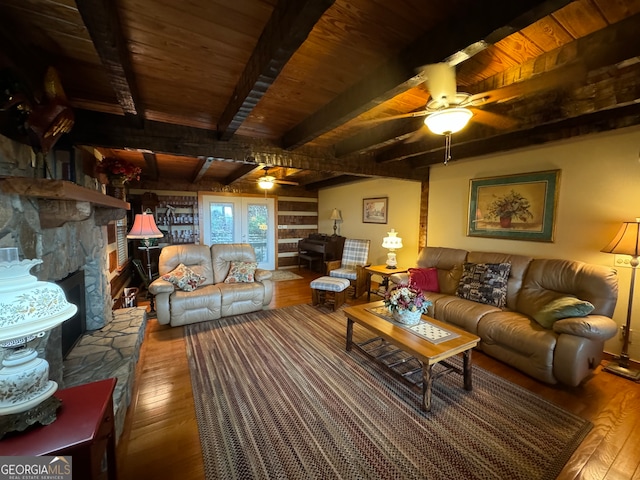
[(41, 227)]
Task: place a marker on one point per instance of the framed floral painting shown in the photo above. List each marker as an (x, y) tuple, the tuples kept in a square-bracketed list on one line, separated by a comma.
[(518, 207)]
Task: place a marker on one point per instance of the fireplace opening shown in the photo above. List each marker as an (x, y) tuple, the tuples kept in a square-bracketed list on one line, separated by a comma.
[(74, 327)]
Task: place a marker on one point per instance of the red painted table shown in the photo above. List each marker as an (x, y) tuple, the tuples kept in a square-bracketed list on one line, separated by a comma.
[(84, 429)]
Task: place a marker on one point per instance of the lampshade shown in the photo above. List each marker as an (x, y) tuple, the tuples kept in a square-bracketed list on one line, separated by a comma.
[(392, 240), (335, 215), (626, 241), (144, 226), (266, 182), (447, 121)]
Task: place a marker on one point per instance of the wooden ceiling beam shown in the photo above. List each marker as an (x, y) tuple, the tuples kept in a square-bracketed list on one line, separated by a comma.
[(204, 164), (488, 22), (240, 172), (113, 131), (288, 27), (151, 165), (378, 136), (103, 24)]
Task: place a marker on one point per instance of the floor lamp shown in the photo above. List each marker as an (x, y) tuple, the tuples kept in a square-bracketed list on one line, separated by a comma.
[(626, 242), (144, 228)]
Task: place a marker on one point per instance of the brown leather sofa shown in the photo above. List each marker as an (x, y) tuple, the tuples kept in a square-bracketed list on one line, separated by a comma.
[(565, 354), (213, 299)]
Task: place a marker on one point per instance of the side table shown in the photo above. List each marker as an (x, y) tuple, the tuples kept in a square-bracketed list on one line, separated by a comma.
[(384, 272), (84, 430)]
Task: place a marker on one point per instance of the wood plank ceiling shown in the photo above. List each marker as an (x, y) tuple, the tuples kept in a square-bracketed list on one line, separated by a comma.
[(208, 92)]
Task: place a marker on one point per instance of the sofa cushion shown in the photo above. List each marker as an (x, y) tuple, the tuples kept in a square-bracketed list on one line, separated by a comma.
[(184, 278), (241, 272), (425, 279), (484, 283), (448, 261), (563, 307)]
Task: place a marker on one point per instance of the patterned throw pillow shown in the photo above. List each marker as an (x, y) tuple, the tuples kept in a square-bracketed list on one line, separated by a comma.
[(184, 278), (485, 283), (425, 279), (241, 272)]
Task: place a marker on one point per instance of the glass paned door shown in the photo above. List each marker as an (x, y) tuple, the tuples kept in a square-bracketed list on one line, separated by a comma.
[(241, 220)]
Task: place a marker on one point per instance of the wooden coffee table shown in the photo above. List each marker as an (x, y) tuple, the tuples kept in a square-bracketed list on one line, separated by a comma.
[(395, 340)]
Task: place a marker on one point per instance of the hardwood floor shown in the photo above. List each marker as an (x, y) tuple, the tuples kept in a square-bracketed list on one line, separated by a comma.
[(161, 440)]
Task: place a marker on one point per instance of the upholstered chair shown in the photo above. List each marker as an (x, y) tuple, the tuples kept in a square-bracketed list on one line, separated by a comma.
[(355, 257)]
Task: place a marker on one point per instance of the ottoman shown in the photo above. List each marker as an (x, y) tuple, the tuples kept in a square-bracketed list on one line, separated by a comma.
[(327, 290)]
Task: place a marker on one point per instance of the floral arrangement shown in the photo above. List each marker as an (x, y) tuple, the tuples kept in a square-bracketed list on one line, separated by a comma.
[(114, 168), (513, 204), (406, 298)]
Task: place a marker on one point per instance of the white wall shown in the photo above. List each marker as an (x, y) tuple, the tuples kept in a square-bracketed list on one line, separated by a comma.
[(599, 188), (403, 215)]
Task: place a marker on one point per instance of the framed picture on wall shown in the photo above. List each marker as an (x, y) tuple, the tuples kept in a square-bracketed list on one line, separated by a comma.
[(518, 207), (374, 210)]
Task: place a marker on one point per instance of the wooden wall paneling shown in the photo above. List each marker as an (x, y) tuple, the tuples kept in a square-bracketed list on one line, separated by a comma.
[(297, 219)]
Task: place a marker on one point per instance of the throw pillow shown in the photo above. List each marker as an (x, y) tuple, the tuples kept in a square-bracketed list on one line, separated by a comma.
[(184, 278), (425, 279), (485, 283), (241, 272), (563, 307)]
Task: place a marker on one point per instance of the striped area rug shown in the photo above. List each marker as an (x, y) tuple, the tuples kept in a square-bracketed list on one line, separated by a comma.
[(277, 396)]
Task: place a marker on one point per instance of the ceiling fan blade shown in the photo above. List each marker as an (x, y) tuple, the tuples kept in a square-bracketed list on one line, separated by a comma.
[(441, 81), (286, 182), (494, 120), (416, 136), (420, 113), (553, 79)]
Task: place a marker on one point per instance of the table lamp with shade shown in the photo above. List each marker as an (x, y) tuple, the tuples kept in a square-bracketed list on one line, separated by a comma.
[(335, 216), (392, 242), (28, 309), (626, 242)]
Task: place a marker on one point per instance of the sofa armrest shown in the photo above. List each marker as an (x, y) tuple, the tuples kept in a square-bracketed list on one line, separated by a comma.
[(261, 275), (594, 327), (159, 286), (399, 278)]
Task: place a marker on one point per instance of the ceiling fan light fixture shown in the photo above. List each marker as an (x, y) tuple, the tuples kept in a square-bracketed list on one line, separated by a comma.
[(266, 182), (448, 121)]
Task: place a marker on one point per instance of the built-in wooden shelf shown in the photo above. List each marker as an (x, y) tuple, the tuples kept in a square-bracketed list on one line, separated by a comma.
[(61, 201)]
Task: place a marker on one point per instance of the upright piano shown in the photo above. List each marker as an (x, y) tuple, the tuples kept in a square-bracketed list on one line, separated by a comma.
[(318, 248)]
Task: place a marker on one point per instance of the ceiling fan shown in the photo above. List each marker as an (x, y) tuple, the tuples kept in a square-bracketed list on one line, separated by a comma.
[(449, 111), (267, 181)]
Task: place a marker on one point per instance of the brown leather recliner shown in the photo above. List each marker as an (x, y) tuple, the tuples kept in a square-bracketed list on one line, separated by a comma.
[(213, 299)]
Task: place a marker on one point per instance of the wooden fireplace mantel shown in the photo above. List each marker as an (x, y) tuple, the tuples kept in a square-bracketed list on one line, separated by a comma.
[(61, 201)]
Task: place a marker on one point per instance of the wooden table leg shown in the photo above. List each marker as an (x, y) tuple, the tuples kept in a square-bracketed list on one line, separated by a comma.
[(349, 334), (466, 361), (427, 380)]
